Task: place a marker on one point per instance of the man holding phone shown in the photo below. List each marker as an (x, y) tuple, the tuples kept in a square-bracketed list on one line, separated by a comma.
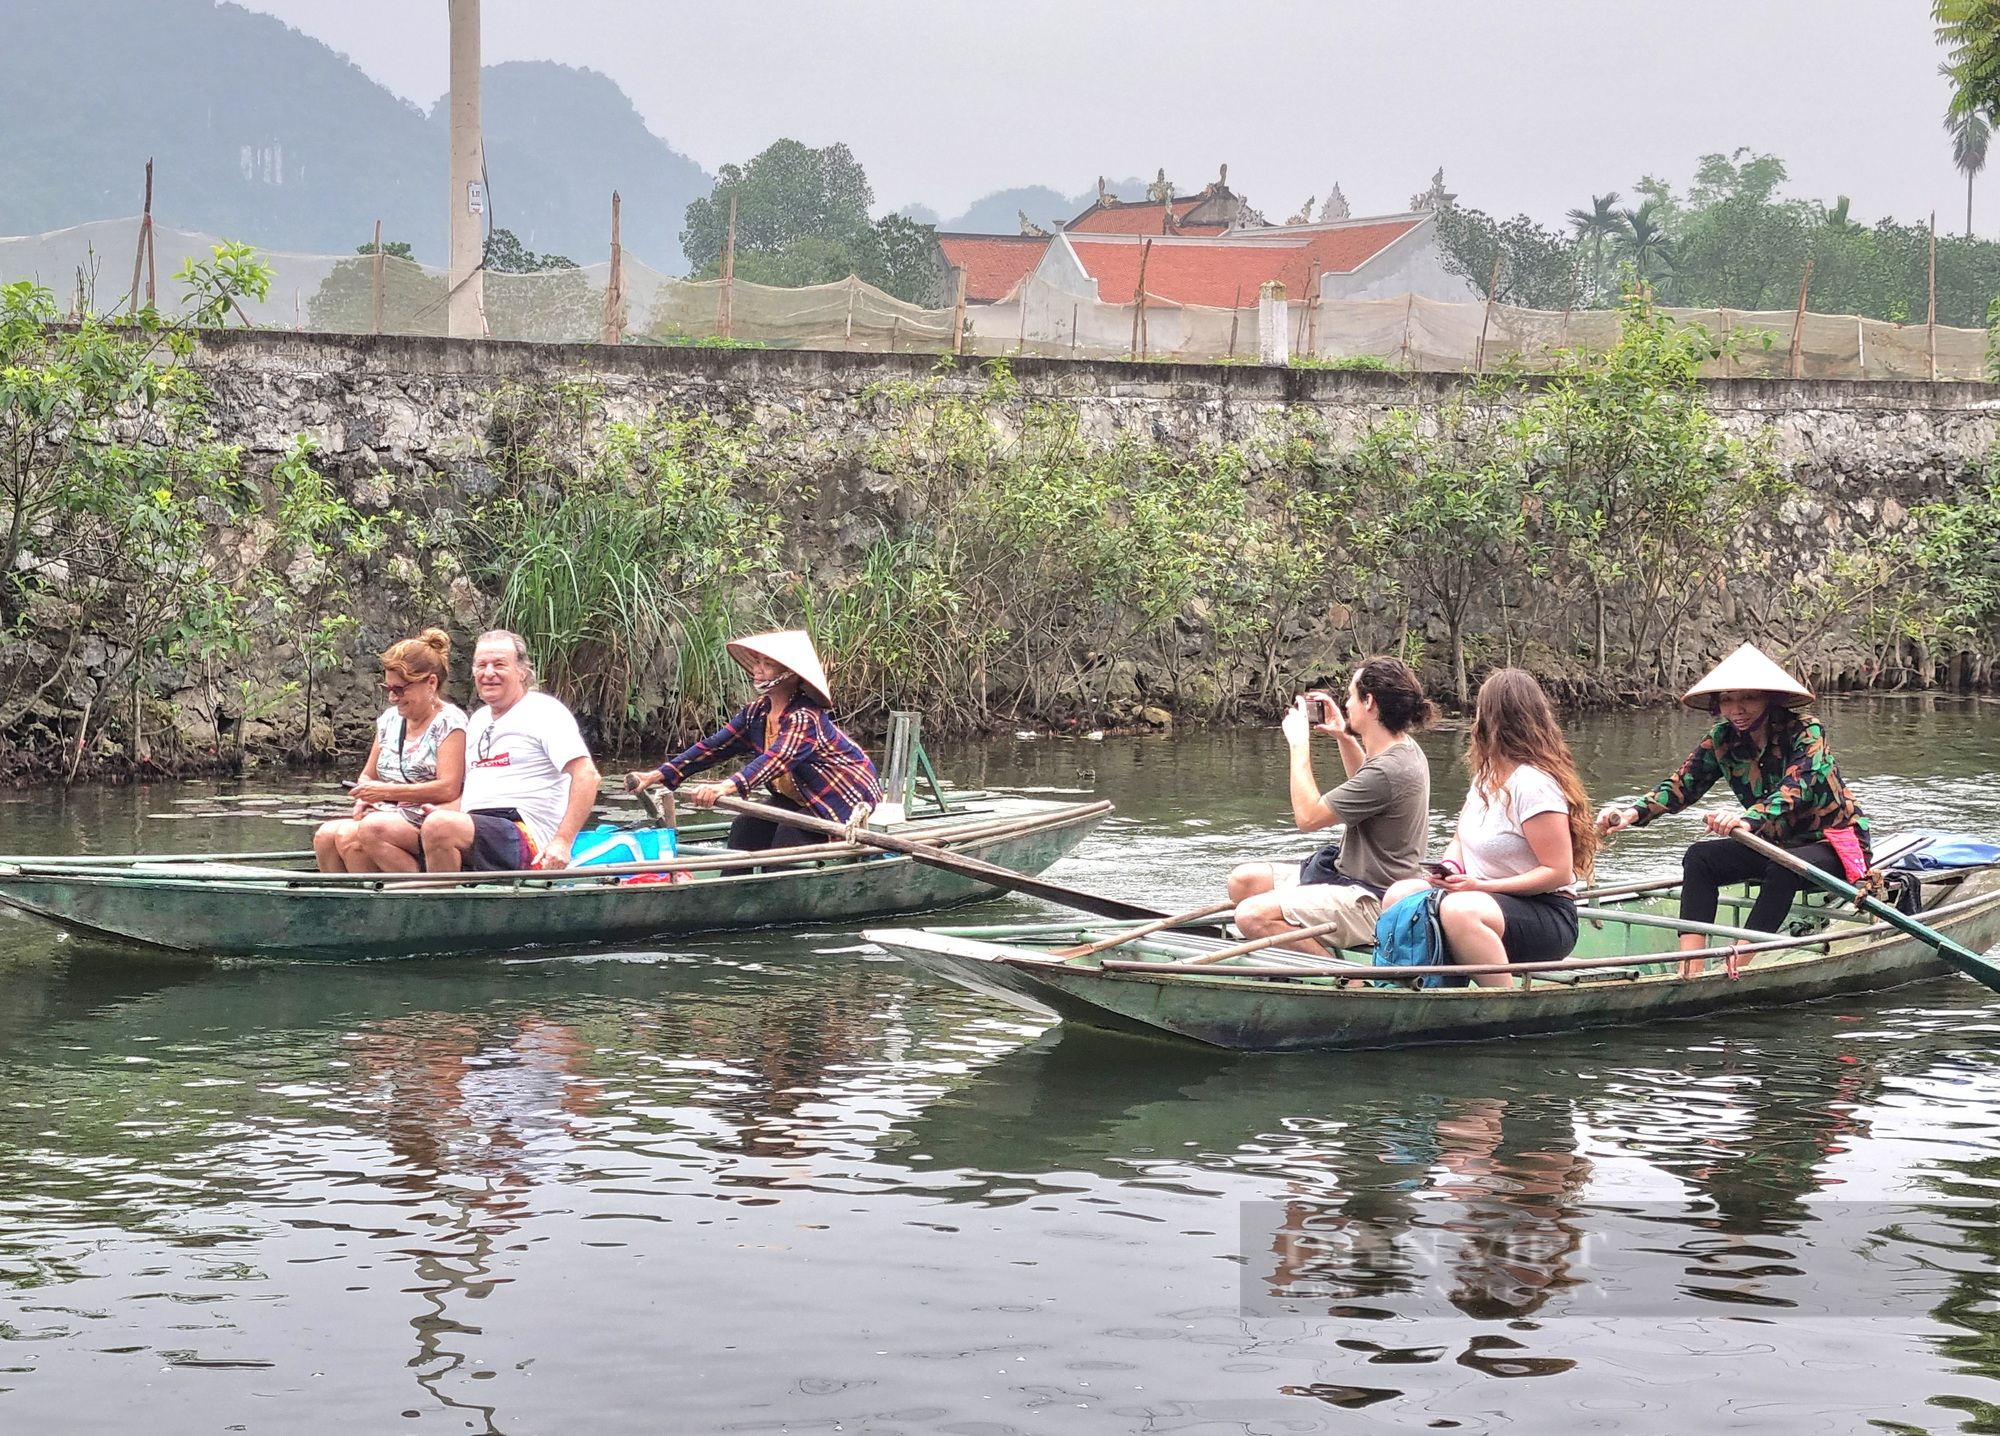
[(1384, 804)]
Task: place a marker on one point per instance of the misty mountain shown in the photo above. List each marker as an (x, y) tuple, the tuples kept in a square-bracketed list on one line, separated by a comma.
[(266, 135), (1000, 212)]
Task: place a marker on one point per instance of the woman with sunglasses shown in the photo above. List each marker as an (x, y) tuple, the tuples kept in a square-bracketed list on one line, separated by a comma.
[(417, 760)]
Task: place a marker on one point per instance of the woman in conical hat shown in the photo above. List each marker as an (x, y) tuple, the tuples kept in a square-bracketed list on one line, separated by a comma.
[(791, 741), (1774, 757)]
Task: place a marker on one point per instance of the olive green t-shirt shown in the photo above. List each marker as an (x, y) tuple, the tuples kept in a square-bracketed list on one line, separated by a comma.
[(1386, 806)]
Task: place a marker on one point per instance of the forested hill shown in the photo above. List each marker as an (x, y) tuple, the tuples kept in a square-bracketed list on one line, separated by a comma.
[(264, 134)]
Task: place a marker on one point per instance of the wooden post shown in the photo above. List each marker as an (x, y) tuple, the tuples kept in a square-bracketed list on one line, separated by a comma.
[(465, 275), (1073, 309), (1021, 339), (853, 288), (1312, 310), (1492, 294), (1409, 317), (1235, 318), (1930, 321), (614, 285), (1139, 302), (1860, 347), (895, 333), (1570, 303), (375, 288), (725, 304), (142, 266), (1795, 365), (958, 315)]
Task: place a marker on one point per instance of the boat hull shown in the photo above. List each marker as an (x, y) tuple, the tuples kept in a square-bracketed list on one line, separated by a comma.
[(246, 919), (1292, 1016)]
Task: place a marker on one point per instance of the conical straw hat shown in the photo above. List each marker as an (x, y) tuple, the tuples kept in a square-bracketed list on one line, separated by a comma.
[(1748, 670), (792, 647)]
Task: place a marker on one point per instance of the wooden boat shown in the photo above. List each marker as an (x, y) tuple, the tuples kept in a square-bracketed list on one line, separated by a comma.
[(1625, 970), (272, 904)]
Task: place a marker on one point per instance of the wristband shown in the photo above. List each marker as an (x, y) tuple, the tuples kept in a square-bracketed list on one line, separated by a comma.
[(1457, 867)]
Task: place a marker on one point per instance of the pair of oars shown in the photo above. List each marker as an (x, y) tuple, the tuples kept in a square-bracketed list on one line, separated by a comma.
[(1972, 964)]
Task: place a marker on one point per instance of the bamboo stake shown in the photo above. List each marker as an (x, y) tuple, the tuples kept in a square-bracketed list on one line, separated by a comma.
[(1074, 309), (853, 288), (375, 292), (1312, 310), (1140, 338), (1409, 315), (958, 315), (1930, 321), (1235, 318), (1795, 365), (140, 268), (1492, 295), (614, 286), (725, 316)]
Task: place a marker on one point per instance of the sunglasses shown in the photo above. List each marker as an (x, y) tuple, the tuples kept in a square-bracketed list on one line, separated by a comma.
[(397, 690)]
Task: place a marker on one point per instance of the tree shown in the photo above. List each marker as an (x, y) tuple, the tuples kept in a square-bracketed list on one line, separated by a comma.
[(1970, 32), (505, 254), (1602, 221), (391, 249), (1969, 133), (1537, 265), (802, 218), (1644, 241)]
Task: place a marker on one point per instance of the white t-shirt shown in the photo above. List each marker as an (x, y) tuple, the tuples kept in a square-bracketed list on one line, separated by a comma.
[(517, 762), (1490, 837), (417, 759)]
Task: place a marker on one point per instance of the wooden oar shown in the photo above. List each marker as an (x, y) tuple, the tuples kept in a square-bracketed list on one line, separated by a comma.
[(1957, 954), (990, 873), (1157, 925)]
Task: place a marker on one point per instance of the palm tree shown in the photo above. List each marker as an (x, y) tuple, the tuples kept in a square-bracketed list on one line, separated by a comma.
[(1837, 220), (1646, 242), (1597, 224), (1969, 131)]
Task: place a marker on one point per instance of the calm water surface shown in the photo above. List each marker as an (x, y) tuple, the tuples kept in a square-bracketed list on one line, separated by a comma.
[(771, 1183)]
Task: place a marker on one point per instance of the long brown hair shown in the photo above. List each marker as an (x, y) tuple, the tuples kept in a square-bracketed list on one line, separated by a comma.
[(1514, 720)]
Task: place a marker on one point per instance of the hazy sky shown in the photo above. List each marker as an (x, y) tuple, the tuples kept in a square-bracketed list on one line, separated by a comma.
[(1528, 104)]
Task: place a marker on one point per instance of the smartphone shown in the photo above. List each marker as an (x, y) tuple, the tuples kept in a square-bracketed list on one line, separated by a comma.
[(1437, 870), (1319, 708)]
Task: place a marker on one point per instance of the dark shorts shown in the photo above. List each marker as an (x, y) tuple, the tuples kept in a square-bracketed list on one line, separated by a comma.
[(1541, 928), (498, 845)]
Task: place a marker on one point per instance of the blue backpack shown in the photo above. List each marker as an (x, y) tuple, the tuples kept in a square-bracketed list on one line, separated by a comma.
[(1409, 935)]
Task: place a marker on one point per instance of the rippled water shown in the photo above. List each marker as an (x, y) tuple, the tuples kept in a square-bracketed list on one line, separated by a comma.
[(769, 1182)]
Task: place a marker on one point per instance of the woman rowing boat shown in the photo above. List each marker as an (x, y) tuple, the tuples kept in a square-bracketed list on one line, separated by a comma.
[(1775, 759), (793, 744)]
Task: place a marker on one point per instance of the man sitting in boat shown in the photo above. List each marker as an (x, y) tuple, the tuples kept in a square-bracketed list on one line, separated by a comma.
[(1524, 836), (1775, 759), (418, 757), (1384, 802), (791, 740), (529, 782)]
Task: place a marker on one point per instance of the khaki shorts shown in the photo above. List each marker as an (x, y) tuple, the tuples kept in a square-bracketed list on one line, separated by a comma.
[(1310, 904)]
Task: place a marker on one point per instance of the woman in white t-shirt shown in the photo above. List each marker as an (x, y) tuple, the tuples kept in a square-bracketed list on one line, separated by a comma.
[(1524, 836), (417, 759)]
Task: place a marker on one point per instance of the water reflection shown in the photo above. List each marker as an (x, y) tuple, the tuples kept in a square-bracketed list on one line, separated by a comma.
[(762, 1181)]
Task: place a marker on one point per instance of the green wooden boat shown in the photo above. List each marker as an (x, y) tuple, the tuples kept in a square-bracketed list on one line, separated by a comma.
[(1625, 970), (256, 905)]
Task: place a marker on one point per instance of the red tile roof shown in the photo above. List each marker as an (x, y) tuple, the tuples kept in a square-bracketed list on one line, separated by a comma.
[(993, 263), (1222, 274), (1136, 217)]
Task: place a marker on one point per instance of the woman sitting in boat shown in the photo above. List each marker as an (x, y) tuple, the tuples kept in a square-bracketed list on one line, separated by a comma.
[(791, 740), (1524, 836), (1775, 759), (417, 760)]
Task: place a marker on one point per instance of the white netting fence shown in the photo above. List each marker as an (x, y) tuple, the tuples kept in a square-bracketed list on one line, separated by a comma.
[(91, 266)]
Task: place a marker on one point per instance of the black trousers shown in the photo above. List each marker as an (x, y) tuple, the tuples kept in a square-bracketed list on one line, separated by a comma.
[(754, 835), (1713, 863)]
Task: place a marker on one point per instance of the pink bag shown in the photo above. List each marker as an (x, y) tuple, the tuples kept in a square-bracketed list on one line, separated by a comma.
[(1846, 842)]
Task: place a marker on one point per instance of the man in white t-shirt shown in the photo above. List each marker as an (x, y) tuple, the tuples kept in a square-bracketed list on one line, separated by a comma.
[(529, 780)]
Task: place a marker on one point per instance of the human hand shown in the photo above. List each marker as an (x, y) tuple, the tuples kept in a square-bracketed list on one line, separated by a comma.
[(1459, 883), (1615, 818), (366, 791), (1297, 723), (555, 855), (1723, 823), (1335, 722), (639, 782), (360, 810), (703, 795)]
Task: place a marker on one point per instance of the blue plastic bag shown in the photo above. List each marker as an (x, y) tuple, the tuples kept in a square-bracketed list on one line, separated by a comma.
[(1948, 850), (623, 845)]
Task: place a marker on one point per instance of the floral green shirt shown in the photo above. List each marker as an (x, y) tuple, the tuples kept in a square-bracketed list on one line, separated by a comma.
[(1790, 787)]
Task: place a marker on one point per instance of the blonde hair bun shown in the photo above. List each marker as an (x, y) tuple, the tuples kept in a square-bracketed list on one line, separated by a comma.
[(437, 640)]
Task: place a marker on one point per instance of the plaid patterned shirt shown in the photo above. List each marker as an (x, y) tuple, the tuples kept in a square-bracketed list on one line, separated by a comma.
[(1790, 787), (834, 776)]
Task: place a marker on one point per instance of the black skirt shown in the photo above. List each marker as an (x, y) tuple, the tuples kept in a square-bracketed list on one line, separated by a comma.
[(1540, 927)]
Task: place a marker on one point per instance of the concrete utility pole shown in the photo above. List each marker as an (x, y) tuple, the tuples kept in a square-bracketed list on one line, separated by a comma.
[(465, 310)]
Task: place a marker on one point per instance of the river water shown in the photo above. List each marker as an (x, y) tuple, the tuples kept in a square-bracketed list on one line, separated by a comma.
[(772, 1183)]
